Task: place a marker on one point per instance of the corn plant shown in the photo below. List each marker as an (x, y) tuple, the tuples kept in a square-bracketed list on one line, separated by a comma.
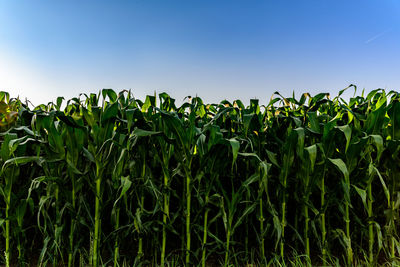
[(107, 179), (9, 173)]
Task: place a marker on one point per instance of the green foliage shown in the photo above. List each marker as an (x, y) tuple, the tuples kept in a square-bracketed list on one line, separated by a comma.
[(112, 180)]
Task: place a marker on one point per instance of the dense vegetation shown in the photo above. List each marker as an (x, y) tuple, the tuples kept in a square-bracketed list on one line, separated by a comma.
[(110, 180)]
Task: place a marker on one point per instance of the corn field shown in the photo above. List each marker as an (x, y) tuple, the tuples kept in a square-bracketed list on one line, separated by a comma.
[(109, 180)]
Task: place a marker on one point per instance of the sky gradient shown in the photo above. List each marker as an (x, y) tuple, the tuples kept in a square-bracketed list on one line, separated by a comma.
[(215, 49)]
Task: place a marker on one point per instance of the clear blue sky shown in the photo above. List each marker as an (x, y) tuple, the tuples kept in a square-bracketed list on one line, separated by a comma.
[(215, 49)]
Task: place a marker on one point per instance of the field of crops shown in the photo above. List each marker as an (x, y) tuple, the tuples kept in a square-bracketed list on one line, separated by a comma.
[(108, 180)]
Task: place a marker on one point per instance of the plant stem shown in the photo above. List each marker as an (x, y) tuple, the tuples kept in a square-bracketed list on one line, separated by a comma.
[(323, 228), (349, 250), (72, 226), (165, 218), (7, 252), (370, 226), (203, 257), (97, 218), (140, 249), (306, 237), (188, 200), (392, 245), (228, 237), (20, 254), (246, 239), (116, 244), (283, 222), (57, 223), (307, 219), (393, 203), (262, 230)]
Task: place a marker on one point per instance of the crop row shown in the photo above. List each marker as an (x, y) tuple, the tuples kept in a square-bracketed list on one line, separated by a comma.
[(106, 179)]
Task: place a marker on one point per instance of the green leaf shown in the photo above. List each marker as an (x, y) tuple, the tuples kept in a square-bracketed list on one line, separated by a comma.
[(141, 133), (346, 182), (59, 101), (314, 123), (394, 114), (379, 235), (312, 154), (4, 96), (265, 168), (68, 120), (72, 167), (254, 155), (378, 141), (13, 144), (363, 195), (372, 170), (5, 148), (253, 178), (175, 125), (347, 133), (201, 145), (254, 106), (149, 102), (88, 155), (341, 166), (327, 133), (300, 141), (201, 112), (20, 212), (20, 161), (346, 191), (272, 158), (235, 149), (125, 185), (110, 93), (2, 192), (245, 214), (277, 228), (247, 118), (110, 112)]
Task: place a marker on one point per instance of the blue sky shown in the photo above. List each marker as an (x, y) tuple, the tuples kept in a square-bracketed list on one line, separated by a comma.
[(215, 49)]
